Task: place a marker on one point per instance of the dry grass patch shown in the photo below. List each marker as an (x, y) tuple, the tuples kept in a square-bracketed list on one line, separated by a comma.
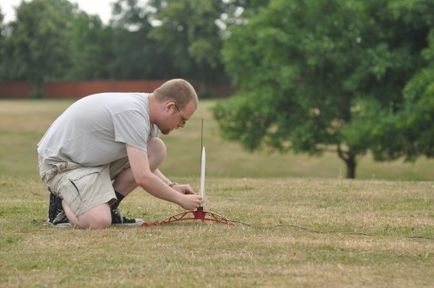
[(303, 233)]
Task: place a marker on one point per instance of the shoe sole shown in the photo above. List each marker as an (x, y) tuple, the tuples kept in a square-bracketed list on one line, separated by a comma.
[(137, 223), (68, 225), (60, 225)]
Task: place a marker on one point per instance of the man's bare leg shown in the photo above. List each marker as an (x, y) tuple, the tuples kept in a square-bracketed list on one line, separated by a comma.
[(125, 182), (96, 218)]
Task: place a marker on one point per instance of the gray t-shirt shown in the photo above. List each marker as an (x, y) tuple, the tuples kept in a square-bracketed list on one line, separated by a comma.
[(94, 130)]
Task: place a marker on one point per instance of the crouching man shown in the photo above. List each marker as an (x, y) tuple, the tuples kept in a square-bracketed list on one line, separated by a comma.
[(104, 146)]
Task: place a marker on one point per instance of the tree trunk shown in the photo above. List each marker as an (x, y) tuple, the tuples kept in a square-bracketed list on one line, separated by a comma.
[(349, 157), (351, 167)]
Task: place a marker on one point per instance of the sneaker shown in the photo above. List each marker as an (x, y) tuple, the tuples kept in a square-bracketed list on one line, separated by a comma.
[(54, 207), (61, 221), (119, 219), (56, 215)]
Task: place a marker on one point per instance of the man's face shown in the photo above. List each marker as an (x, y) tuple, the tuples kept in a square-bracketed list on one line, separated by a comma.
[(176, 117)]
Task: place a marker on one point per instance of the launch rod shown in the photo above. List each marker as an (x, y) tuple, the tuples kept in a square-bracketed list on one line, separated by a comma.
[(202, 165)]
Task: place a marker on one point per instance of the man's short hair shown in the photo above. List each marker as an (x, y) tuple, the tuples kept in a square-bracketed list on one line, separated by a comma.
[(177, 90)]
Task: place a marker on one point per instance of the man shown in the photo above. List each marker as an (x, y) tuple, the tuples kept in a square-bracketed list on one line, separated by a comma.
[(105, 145)]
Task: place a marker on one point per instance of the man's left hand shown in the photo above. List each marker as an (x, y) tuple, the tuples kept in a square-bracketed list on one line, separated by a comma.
[(183, 188)]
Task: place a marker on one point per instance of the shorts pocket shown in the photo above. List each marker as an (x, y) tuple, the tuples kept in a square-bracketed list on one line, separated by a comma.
[(77, 183)]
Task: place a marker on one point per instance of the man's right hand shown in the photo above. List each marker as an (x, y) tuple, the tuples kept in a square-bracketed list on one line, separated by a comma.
[(190, 201)]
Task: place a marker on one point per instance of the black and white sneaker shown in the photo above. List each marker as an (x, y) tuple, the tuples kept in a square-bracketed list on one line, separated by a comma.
[(56, 215), (61, 221), (119, 219)]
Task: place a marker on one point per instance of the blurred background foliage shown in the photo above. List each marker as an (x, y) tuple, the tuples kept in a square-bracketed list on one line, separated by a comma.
[(155, 39), (312, 76)]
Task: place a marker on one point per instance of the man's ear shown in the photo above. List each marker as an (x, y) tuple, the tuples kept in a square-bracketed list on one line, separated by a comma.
[(169, 105)]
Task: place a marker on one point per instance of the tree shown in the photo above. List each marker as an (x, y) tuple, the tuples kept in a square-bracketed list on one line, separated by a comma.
[(188, 32), (137, 54), (166, 39), (38, 48), (319, 75), (2, 45), (92, 51)]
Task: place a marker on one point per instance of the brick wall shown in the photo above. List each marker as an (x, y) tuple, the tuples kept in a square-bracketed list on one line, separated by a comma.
[(78, 89), (84, 88), (15, 90)]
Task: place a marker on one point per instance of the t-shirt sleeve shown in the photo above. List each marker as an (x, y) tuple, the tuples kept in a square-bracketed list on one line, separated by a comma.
[(131, 127)]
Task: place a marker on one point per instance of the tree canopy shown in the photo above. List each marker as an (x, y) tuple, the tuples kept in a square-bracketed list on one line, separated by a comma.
[(320, 75), (2, 46), (156, 39), (37, 48), (188, 33), (91, 49)]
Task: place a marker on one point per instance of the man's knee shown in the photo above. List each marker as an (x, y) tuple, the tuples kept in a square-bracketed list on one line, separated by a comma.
[(100, 223), (156, 152), (157, 147), (96, 218)]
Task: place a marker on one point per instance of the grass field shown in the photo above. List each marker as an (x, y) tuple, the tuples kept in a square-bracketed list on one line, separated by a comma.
[(308, 227)]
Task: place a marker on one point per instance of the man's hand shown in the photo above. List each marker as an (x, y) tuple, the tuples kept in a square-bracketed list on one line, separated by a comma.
[(183, 188), (190, 201)]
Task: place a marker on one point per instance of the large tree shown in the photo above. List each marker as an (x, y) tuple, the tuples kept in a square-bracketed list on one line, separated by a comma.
[(319, 75), (92, 51), (137, 54), (187, 31), (2, 47), (38, 47)]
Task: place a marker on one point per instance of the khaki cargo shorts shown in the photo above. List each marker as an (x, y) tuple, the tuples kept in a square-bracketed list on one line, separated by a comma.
[(82, 188)]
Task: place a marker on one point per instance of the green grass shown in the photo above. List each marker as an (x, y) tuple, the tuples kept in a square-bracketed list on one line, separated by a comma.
[(22, 124), (308, 227)]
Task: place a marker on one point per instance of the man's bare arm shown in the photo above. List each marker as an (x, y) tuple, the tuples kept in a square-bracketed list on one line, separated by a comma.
[(153, 184)]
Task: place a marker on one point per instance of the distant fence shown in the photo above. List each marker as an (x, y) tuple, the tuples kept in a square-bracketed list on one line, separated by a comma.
[(78, 89)]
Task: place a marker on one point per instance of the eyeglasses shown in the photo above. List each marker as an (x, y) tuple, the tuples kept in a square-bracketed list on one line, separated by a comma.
[(183, 119)]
